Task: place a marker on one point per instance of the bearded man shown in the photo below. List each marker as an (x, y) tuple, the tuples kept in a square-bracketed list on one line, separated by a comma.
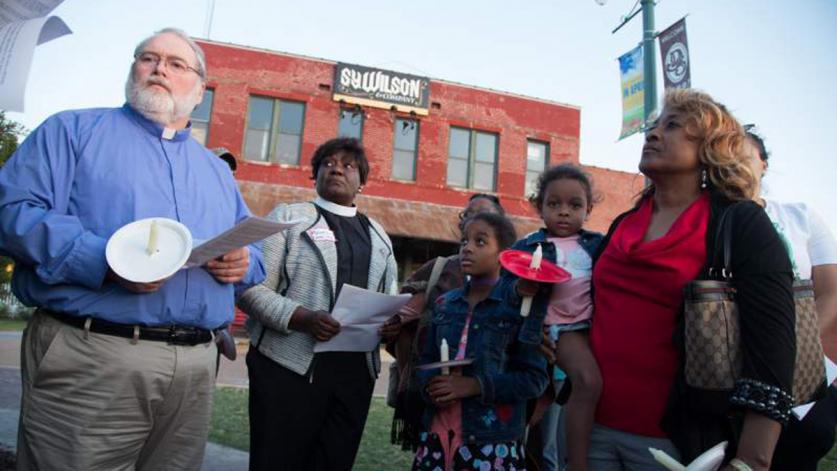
[(117, 374)]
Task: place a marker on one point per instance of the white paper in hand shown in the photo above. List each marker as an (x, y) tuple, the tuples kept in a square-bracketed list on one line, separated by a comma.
[(360, 313), (251, 229), (23, 25)]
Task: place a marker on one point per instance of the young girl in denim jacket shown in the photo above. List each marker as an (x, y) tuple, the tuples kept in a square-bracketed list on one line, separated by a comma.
[(477, 413), (564, 200)]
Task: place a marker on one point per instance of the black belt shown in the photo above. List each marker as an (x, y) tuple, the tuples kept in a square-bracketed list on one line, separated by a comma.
[(173, 334)]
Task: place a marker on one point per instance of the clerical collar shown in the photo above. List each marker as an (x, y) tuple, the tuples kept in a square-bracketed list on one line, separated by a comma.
[(338, 209), (157, 129)]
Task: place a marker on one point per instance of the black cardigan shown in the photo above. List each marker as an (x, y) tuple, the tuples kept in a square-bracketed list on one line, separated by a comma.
[(696, 420)]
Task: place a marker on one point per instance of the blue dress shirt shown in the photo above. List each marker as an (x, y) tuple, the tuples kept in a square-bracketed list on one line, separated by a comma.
[(82, 175)]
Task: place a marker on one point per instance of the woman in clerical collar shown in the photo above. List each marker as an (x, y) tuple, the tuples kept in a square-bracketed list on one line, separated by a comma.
[(307, 409)]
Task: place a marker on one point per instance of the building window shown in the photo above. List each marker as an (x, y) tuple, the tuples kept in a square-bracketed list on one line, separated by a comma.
[(200, 117), (537, 157), (405, 149), (351, 123), (472, 159), (274, 130)]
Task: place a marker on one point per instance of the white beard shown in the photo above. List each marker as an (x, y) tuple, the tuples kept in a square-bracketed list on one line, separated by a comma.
[(159, 105)]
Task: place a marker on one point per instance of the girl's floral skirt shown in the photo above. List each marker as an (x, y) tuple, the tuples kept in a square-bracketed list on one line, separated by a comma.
[(430, 456)]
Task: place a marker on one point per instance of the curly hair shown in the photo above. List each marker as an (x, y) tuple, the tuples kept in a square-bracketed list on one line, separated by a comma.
[(559, 172), (720, 139)]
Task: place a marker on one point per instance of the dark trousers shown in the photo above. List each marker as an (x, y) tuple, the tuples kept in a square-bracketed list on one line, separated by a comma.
[(297, 424), (803, 443)]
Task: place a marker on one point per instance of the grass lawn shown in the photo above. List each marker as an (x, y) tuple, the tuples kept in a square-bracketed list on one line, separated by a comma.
[(12, 324), (229, 427), (829, 463)]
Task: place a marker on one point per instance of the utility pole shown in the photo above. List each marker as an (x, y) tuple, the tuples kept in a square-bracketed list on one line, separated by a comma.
[(649, 55), (207, 26)]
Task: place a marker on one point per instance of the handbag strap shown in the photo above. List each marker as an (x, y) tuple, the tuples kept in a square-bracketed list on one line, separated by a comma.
[(438, 266), (723, 247)]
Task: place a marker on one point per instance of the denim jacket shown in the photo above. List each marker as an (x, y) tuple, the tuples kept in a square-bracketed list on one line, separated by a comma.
[(509, 371), (589, 241)]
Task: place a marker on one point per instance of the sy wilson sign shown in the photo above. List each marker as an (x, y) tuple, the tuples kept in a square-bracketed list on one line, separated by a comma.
[(379, 88)]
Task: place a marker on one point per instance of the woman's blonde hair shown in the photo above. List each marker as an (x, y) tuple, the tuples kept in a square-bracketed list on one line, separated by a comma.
[(720, 139)]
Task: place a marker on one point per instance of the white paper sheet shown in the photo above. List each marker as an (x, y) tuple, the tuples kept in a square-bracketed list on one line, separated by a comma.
[(23, 25), (252, 229), (830, 376), (360, 313)]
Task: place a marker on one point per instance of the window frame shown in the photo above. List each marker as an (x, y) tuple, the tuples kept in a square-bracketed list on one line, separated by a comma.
[(273, 130), (351, 111), (472, 158), (415, 150), (209, 115), (546, 146)]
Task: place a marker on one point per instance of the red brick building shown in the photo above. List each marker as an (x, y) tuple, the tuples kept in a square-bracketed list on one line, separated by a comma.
[(430, 143)]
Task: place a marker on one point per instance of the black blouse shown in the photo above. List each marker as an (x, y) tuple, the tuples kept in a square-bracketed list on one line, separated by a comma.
[(354, 248)]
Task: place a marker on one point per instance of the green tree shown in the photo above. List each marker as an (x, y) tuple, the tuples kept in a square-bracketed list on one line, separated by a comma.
[(10, 131)]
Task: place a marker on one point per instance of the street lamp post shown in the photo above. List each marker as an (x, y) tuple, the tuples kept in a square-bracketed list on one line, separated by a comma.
[(648, 55), (649, 58)]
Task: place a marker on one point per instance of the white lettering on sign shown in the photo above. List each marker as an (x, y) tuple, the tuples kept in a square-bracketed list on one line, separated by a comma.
[(380, 82)]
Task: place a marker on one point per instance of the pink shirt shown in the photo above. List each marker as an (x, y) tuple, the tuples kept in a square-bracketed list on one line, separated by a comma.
[(570, 302)]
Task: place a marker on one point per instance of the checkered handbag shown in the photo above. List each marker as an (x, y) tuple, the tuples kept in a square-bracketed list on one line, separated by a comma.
[(809, 369), (713, 336)]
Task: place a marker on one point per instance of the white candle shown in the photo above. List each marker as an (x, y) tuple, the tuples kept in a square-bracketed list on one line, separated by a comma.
[(667, 461), (535, 264), (151, 248), (444, 355)]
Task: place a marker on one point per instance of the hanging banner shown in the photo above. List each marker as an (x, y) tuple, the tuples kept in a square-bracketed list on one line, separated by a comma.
[(633, 96), (674, 50)]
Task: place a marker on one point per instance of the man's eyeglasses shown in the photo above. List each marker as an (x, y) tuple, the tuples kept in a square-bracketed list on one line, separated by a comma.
[(174, 64)]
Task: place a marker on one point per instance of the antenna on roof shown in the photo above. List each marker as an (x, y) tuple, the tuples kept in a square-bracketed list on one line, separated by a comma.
[(207, 27)]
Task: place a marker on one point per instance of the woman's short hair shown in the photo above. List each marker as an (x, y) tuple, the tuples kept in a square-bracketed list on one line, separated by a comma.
[(350, 146), (720, 138)]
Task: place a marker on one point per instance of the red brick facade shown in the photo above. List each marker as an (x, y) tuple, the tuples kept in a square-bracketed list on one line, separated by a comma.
[(427, 207)]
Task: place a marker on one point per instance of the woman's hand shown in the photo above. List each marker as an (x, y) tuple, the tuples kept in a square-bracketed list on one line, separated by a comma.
[(389, 331), (445, 389), (319, 324)]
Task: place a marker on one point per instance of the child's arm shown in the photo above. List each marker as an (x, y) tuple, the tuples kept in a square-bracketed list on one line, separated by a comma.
[(525, 377)]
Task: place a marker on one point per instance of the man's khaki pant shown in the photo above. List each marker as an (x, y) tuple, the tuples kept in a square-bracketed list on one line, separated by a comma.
[(100, 402)]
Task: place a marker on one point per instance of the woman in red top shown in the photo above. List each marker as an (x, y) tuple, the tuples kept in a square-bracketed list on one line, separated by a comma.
[(693, 157)]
